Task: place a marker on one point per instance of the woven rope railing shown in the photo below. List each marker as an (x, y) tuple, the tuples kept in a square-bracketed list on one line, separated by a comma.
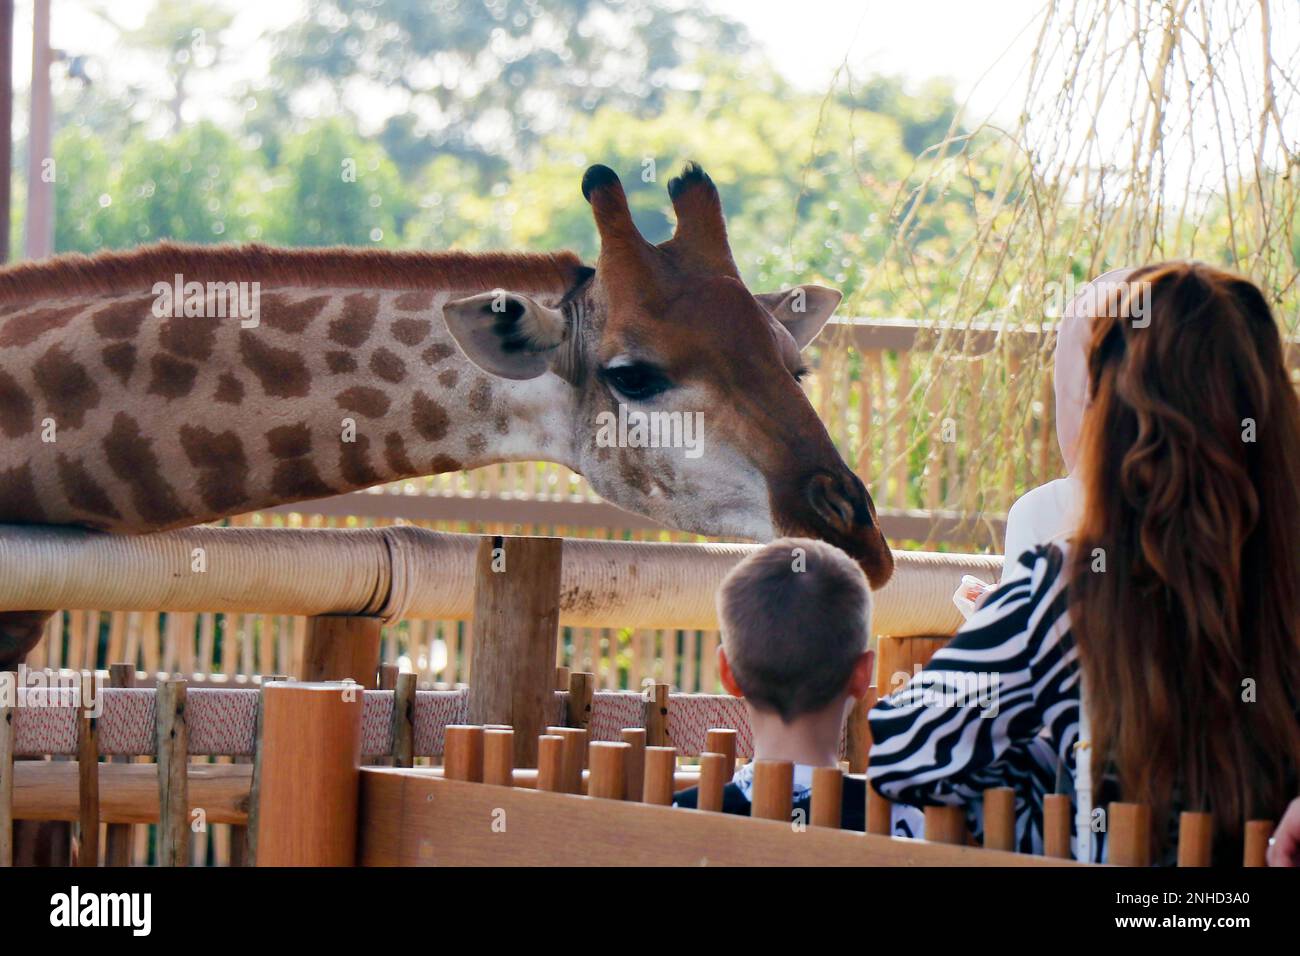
[(223, 722), (404, 572)]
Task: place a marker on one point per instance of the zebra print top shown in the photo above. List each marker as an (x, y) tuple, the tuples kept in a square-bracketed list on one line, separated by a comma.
[(997, 707)]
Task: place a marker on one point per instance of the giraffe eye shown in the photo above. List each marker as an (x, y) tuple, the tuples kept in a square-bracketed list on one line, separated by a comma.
[(638, 381)]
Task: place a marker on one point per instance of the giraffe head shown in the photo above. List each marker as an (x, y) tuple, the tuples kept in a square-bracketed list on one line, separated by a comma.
[(680, 387)]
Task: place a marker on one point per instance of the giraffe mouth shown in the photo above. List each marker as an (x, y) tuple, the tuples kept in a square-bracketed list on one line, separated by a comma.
[(836, 507)]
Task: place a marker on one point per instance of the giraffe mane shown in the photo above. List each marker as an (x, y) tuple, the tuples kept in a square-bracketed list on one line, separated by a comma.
[(136, 270)]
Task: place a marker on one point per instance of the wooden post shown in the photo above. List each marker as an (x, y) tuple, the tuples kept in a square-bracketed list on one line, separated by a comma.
[(310, 774), (550, 763), (902, 655), (388, 676), (945, 825), (608, 770), (575, 753), (173, 782), (773, 789), (1256, 849), (499, 756), (1056, 826), (1000, 819), (660, 765), (880, 813), (561, 678), (516, 634), (582, 687), (634, 763), (857, 744), (722, 740), (244, 839), (1129, 834), (462, 756), (117, 849), (8, 711), (342, 647), (827, 797), (1195, 838), (404, 720), (656, 716), (715, 774), (87, 788)]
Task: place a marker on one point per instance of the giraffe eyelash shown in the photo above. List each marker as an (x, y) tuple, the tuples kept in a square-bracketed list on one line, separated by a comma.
[(802, 372)]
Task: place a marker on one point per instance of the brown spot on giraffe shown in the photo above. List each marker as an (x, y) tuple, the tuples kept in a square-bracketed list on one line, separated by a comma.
[(388, 366), (230, 390), (119, 358), (222, 466), (170, 377), (18, 500), (122, 320), (364, 400), (68, 389), (282, 372), (501, 423), (354, 463), (132, 459), (430, 418), (17, 413), (480, 396), (448, 378), (353, 327), (414, 300), (395, 456), (289, 441), (476, 444), (82, 491), (437, 352), (340, 363), (276, 311), (297, 478), (411, 332), (26, 328), (442, 464), (191, 337)]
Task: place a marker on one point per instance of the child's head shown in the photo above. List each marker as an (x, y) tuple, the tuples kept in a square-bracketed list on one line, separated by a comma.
[(795, 619)]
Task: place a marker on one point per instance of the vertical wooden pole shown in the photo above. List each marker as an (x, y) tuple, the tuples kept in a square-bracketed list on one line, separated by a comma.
[(87, 789), (656, 716), (722, 740), (857, 744), (575, 752), (1195, 838), (880, 814), (342, 647), (310, 774), (660, 765), (1129, 834), (117, 849), (243, 840), (608, 770), (516, 633), (634, 763), (582, 686), (462, 757), (773, 789), (404, 720), (8, 711), (173, 784), (1256, 849), (945, 825), (1056, 826), (827, 797), (499, 756), (715, 773), (1000, 819), (550, 763)]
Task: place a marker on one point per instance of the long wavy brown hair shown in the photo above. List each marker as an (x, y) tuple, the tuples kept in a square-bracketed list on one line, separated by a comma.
[(1189, 640)]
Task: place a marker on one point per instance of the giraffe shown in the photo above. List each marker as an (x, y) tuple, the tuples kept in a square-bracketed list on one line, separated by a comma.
[(136, 395)]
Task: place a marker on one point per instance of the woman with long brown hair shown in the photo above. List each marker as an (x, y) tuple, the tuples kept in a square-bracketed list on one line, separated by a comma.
[(1173, 611)]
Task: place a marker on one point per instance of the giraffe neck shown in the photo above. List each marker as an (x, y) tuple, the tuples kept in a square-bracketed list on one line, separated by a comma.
[(165, 421)]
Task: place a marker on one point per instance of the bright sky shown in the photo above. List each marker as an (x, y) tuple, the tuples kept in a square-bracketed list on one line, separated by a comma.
[(807, 40)]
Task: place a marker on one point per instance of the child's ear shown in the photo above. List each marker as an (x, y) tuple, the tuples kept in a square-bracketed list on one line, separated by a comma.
[(860, 679), (728, 679)]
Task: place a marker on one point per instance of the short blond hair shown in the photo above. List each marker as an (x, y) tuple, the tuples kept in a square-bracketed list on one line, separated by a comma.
[(795, 617)]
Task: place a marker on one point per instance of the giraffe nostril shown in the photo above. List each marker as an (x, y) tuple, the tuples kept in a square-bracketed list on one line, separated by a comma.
[(832, 502)]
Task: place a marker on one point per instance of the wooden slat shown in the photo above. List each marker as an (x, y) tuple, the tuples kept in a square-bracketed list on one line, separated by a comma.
[(608, 770), (1256, 848), (117, 849), (1056, 826), (411, 817), (173, 757), (88, 791), (404, 720), (462, 757), (1128, 834), (656, 716), (1195, 839), (715, 773), (827, 797), (946, 825), (128, 792), (498, 756), (1000, 818), (8, 709), (634, 765), (582, 686), (773, 789)]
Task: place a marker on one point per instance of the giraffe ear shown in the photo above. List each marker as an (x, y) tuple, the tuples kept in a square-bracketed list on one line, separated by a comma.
[(505, 333), (803, 310)]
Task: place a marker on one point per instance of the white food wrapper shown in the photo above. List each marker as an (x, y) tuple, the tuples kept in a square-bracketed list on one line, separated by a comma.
[(968, 594)]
